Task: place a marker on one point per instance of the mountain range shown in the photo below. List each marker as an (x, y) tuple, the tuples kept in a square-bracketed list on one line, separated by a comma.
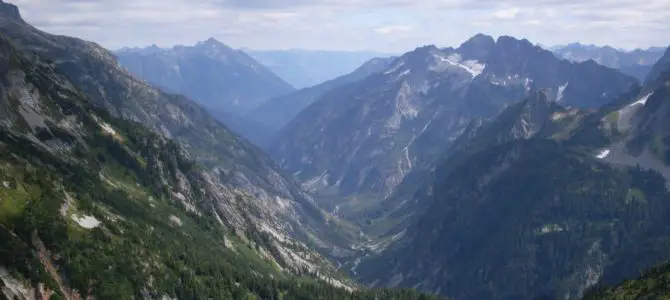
[(543, 201), (238, 90), (209, 72), (365, 137), (636, 63)]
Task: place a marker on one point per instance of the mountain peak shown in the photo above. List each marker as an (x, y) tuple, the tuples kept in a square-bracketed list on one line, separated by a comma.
[(425, 49), (526, 118), (212, 40), (420, 56), (10, 11), (504, 40), (477, 47), (479, 39), (212, 43)]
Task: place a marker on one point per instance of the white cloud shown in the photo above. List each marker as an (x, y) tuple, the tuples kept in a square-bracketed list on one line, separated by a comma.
[(392, 29), (506, 14), (385, 25)]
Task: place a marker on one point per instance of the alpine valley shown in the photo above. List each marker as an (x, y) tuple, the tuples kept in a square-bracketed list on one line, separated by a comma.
[(493, 170), (361, 141), (113, 189)]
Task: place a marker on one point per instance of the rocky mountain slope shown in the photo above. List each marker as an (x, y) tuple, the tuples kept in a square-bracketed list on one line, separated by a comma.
[(306, 68), (642, 126), (543, 206), (279, 205), (87, 200), (210, 72), (651, 285), (636, 63), (277, 112), (365, 137)]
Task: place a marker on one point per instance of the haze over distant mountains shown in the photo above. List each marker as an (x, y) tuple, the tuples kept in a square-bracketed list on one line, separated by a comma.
[(209, 72), (636, 63), (277, 112), (241, 92), (306, 68)]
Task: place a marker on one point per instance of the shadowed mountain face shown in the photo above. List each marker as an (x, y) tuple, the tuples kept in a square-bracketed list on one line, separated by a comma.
[(543, 201), (636, 63), (365, 137), (209, 72), (657, 74)]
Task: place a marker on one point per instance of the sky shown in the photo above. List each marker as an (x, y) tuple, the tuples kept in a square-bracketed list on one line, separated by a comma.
[(377, 25)]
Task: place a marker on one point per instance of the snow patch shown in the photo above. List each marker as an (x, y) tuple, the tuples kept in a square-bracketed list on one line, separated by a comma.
[(471, 66), (642, 100), (108, 128), (394, 68), (88, 222), (561, 91), (604, 153), (474, 67), (406, 72)]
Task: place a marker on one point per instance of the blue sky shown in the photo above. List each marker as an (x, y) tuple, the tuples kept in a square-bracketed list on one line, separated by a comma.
[(380, 25)]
